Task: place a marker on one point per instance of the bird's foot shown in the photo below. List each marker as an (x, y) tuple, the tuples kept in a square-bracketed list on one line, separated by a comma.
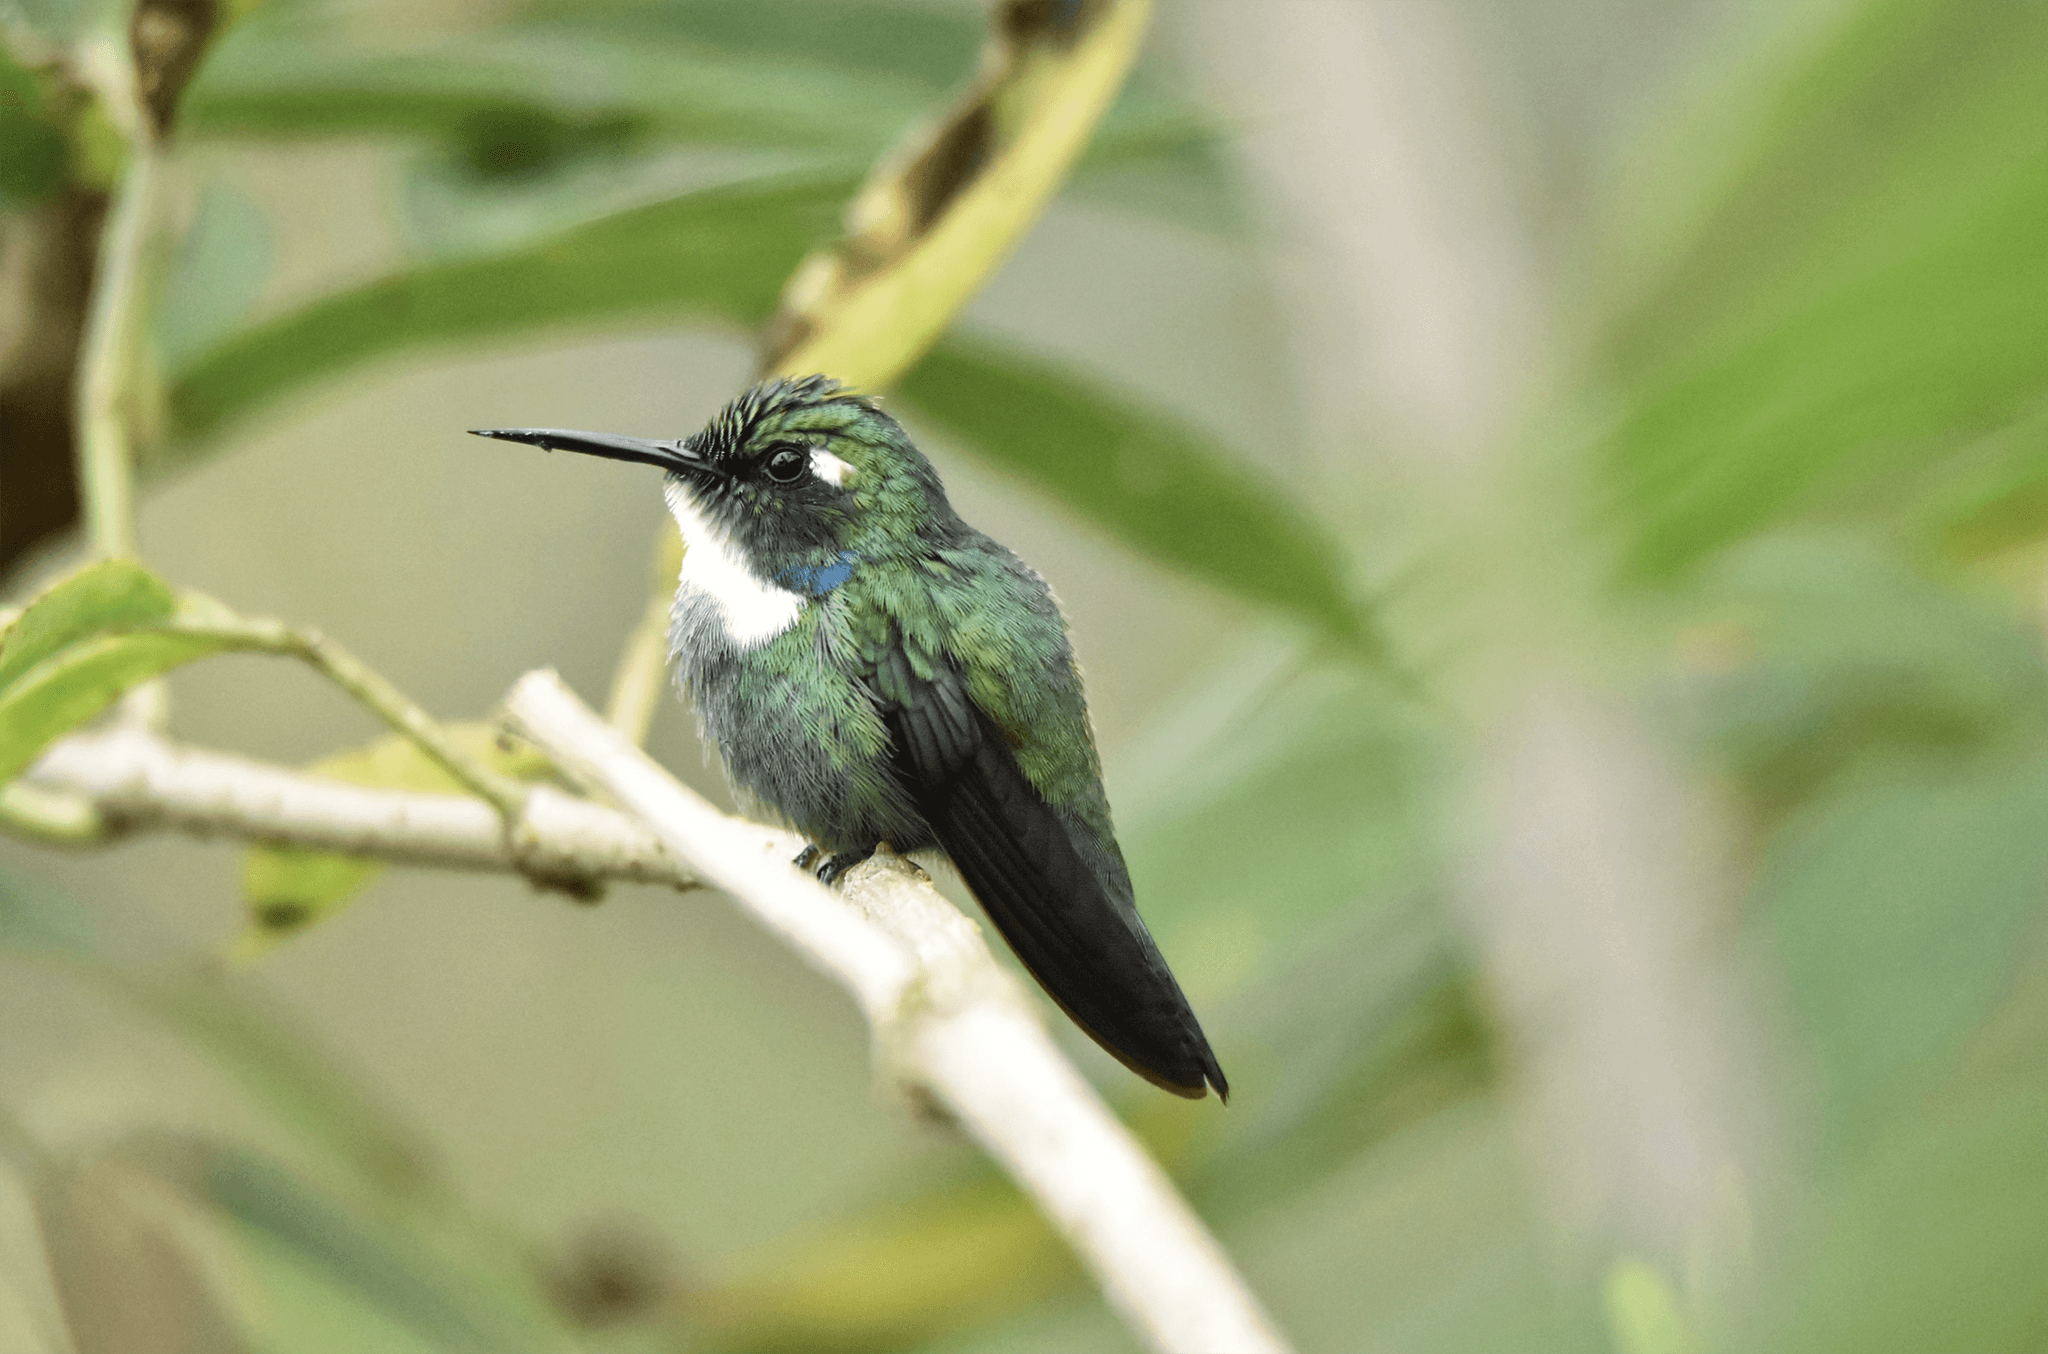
[(833, 870), (806, 858)]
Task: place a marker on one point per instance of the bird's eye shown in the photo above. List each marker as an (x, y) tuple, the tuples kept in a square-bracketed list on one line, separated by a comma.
[(787, 466)]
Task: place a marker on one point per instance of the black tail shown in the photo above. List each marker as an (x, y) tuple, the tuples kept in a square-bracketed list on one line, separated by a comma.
[(1077, 931)]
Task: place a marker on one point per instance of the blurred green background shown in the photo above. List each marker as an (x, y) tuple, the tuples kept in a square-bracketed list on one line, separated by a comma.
[(1645, 956)]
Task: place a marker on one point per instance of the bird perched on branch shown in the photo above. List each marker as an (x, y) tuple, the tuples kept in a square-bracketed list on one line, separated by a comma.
[(875, 670)]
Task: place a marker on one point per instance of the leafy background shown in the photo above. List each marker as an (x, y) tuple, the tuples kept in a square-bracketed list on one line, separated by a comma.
[(1668, 384)]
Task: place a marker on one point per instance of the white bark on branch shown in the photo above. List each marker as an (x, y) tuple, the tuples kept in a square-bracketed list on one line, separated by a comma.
[(949, 1020), (138, 781)]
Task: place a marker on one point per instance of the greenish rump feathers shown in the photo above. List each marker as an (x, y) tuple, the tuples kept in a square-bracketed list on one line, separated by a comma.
[(874, 669)]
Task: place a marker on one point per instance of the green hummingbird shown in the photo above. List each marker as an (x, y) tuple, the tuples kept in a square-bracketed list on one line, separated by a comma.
[(873, 669)]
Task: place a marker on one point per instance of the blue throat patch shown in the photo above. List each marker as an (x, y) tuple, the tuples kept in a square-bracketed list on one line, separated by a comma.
[(815, 580)]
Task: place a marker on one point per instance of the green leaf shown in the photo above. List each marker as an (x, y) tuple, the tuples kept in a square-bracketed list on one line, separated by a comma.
[(520, 100), (222, 266), (379, 1267), (70, 689), (1843, 656), (289, 888), (34, 154), (115, 594), (920, 45), (1890, 732), (719, 254), (1867, 298), (1894, 909), (1932, 1241), (87, 640), (1153, 481)]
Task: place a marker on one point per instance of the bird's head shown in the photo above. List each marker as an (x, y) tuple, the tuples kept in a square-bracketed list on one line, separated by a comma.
[(792, 475)]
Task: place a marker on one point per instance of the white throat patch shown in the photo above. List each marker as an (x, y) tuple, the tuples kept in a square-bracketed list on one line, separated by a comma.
[(754, 612)]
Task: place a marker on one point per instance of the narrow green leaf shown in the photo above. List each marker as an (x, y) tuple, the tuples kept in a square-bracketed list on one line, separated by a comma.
[(378, 1266), (57, 696), (519, 99), (720, 254), (1154, 482), (925, 46), (115, 594), (1890, 731), (219, 274), (1867, 298), (33, 151), (87, 640)]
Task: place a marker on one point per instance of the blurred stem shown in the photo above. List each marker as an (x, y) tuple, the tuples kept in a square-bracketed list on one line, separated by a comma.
[(106, 369), (638, 681), (54, 817)]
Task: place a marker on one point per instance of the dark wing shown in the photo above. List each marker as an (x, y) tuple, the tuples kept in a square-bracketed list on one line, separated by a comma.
[(1079, 934)]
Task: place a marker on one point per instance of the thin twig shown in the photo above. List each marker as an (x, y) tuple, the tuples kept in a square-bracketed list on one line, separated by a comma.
[(948, 1019), (259, 634)]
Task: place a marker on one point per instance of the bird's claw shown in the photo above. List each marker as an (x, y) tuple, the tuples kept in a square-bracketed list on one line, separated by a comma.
[(834, 869)]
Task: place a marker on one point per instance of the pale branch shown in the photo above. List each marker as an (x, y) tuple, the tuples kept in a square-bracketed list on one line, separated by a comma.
[(128, 780), (948, 1020)]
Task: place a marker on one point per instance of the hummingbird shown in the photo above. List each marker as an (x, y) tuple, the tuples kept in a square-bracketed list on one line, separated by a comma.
[(873, 669)]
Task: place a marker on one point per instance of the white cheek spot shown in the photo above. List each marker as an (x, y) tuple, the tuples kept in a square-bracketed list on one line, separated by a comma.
[(830, 468), (754, 612)]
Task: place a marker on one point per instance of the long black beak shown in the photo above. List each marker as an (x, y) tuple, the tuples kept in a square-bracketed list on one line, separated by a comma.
[(668, 455)]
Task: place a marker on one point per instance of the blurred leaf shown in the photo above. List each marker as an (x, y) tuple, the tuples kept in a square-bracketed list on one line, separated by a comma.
[(1868, 297), (1156, 483), (717, 254), (379, 1268), (520, 100), (261, 1045), (1643, 1311), (127, 1273), (919, 44), (111, 595), (894, 1277), (289, 888), (1932, 1240), (83, 679), (64, 21), (33, 151), (1890, 733), (1822, 653), (941, 211), (1317, 801), (1892, 907), (221, 268), (1377, 1030), (34, 916), (572, 82)]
